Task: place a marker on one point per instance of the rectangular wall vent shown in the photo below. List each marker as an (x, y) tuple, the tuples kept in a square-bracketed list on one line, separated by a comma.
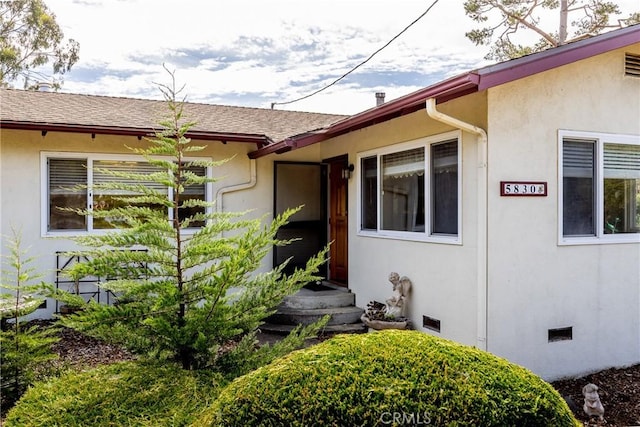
[(561, 334), (631, 65), (431, 323)]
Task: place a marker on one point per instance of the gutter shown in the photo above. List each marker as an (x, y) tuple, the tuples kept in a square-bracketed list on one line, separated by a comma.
[(482, 228), (253, 179)]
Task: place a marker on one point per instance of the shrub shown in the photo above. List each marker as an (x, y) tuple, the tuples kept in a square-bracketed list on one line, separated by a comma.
[(389, 378), (131, 394), (24, 348), (196, 286)]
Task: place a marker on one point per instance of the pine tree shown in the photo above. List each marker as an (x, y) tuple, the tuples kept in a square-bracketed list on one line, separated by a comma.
[(191, 297), (23, 348), (508, 18)]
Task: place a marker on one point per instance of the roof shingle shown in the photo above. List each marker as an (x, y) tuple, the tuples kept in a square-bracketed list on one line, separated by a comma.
[(87, 111)]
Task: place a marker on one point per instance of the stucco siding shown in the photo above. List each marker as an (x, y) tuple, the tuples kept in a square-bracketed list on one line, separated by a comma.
[(21, 186), (535, 283), (443, 275)]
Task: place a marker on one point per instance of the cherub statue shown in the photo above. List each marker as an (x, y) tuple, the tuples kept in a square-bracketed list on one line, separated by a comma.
[(395, 304)]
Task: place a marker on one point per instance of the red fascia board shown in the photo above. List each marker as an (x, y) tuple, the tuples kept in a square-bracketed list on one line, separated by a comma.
[(446, 90), (536, 63), (259, 140), (451, 88), (278, 148)]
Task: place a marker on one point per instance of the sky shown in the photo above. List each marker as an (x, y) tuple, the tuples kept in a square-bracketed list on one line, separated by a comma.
[(254, 53)]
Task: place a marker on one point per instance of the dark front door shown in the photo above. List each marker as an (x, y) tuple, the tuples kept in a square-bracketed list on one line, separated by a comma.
[(299, 184), (338, 221)]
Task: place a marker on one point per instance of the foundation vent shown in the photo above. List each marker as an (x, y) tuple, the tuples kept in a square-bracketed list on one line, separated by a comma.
[(561, 334), (431, 323), (631, 65)]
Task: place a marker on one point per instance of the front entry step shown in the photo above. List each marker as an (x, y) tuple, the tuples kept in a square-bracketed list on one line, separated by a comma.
[(351, 328), (339, 315), (313, 303)]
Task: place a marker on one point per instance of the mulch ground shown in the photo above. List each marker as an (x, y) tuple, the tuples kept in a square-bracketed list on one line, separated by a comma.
[(619, 389)]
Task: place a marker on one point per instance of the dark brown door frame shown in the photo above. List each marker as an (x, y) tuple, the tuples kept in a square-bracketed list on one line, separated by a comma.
[(338, 221)]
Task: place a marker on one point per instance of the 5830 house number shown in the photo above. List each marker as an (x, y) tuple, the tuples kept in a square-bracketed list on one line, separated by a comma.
[(523, 188)]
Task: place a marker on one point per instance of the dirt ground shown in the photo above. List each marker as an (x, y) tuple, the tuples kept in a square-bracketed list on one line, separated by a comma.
[(619, 389)]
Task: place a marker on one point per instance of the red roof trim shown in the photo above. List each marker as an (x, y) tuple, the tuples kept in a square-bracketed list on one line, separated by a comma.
[(445, 90), (468, 83), (259, 140), (515, 69)]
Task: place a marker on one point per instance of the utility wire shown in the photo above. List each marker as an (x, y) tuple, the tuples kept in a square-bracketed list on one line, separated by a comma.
[(360, 64)]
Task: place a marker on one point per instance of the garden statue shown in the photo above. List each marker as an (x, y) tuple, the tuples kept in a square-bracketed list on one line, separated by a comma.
[(392, 314), (395, 304), (592, 405)]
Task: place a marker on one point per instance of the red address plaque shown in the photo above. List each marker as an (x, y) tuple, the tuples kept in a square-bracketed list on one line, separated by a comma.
[(523, 188)]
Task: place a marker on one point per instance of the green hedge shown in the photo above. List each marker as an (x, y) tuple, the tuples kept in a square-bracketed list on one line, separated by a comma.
[(122, 394), (389, 378)]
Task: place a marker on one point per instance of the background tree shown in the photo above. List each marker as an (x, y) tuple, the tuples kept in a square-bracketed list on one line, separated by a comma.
[(191, 296), (30, 38), (589, 17)]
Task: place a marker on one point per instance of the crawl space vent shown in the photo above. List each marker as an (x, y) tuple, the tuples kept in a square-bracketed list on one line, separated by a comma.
[(631, 65)]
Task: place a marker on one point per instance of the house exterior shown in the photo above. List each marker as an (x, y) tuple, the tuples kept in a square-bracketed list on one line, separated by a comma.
[(509, 195)]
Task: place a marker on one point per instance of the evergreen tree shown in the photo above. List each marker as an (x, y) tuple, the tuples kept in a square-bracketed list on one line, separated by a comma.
[(508, 17), (188, 296), (23, 348)]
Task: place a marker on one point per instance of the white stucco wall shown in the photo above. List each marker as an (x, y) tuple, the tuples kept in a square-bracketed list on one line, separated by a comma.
[(21, 186), (443, 275), (535, 284)]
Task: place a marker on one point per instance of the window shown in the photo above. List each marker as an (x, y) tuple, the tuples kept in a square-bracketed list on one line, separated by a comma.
[(600, 187), (62, 173), (411, 190)]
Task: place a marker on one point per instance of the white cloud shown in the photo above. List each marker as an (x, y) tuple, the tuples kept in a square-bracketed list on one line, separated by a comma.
[(254, 52)]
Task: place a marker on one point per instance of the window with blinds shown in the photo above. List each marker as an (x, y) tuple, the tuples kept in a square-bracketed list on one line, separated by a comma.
[(444, 187), (113, 184), (412, 190), (116, 183), (403, 190), (65, 178), (621, 170), (600, 185), (579, 191)]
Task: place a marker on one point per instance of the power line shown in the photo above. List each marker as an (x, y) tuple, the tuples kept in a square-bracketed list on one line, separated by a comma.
[(360, 64)]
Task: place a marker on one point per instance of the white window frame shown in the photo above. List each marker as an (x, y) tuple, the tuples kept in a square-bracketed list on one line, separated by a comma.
[(90, 158), (427, 235), (599, 139)]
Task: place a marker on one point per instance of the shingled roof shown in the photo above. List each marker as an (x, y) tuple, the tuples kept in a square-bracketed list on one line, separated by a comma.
[(55, 111)]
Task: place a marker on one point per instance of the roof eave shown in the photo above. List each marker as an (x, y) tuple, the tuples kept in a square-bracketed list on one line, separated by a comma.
[(444, 91), (259, 140), (525, 66)]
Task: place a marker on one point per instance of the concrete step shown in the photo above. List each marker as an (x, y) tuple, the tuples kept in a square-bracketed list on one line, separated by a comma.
[(306, 299), (345, 328), (293, 316)]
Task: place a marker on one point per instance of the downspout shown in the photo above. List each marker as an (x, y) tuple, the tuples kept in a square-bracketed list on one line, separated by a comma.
[(482, 239), (253, 179)]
